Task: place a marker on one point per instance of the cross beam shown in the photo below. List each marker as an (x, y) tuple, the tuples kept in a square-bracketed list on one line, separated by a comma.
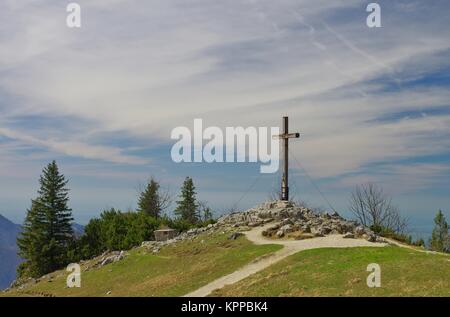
[(284, 195)]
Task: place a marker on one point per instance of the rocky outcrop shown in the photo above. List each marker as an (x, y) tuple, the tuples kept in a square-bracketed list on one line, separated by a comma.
[(155, 246), (289, 218), (103, 259)]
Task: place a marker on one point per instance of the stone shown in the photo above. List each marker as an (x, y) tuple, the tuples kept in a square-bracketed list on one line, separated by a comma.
[(335, 215), (286, 221), (359, 231), (235, 235), (286, 229), (148, 244), (348, 235), (275, 227), (372, 238), (280, 234), (306, 229)]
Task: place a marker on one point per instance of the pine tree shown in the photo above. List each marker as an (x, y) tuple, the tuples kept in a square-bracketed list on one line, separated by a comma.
[(150, 201), (187, 207), (47, 230), (440, 240)]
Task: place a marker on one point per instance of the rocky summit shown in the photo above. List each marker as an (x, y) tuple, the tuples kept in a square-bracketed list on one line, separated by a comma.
[(283, 219), (298, 222)]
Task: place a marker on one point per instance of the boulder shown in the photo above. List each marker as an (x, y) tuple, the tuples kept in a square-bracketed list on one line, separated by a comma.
[(287, 229), (360, 230), (372, 238), (286, 221), (348, 235), (235, 235), (306, 229)]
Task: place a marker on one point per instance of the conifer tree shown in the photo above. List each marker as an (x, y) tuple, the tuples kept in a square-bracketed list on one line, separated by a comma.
[(152, 201), (187, 205), (440, 240), (47, 230)]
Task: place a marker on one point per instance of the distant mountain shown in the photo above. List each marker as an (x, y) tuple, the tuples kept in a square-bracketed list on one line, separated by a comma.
[(8, 251), (78, 230)]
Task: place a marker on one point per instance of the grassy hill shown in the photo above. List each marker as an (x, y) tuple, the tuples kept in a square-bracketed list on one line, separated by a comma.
[(175, 271), (342, 272), (186, 266)]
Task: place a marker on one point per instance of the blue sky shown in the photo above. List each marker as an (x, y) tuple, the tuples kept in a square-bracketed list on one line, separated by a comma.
[(372, 104)]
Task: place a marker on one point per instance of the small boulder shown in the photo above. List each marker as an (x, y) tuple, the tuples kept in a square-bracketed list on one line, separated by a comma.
[(359, 231), (372, 238), (285, 222), (348, 235), (287, 229), (306, 229), (235, 235)]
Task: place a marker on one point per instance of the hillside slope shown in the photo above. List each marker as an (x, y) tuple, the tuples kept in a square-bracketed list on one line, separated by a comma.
[(187, 266), (287, 250), (176, 270), (342, 272)]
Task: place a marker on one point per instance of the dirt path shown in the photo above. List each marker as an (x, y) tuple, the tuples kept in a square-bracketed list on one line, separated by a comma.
[(290, 247)]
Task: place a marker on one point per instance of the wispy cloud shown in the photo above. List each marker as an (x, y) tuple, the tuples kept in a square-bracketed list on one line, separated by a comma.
[(143, 68), (75, 148)]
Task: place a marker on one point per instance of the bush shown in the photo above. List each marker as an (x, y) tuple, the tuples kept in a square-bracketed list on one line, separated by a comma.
[(205, 223), (115, 230), (180, 224)]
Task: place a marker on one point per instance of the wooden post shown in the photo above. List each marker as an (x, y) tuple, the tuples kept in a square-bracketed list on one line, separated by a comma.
[(285, 179)]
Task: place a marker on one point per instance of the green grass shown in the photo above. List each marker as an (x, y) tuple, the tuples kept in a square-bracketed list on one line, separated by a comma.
[(184, 267), (176, 270), (342, 272)]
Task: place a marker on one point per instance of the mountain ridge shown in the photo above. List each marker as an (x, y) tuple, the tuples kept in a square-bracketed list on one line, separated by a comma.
[(8, 251)]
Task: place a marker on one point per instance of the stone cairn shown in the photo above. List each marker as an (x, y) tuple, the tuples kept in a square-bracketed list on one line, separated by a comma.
[(296, 221), (288, 221)]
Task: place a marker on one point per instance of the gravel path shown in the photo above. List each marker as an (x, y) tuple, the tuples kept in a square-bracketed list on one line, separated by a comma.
[(290, 247)]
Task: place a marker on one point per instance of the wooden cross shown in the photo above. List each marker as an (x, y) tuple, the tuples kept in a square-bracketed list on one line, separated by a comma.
[(284, 195)]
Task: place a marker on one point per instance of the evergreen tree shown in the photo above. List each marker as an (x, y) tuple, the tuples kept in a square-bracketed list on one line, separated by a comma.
[(151, 202), (47, 230), (440, 240), (187, 206)]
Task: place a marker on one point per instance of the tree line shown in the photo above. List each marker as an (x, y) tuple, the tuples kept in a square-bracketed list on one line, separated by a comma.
[(47, 241), (374, 209)]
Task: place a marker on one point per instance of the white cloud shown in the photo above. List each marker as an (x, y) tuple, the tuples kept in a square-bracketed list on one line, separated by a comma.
[(148, 67), (399, 179), (75, 148)]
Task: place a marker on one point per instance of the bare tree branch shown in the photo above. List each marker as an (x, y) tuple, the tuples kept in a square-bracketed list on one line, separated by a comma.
[(373, 208)]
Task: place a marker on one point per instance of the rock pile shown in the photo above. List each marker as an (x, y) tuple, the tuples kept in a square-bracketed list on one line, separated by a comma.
[(103, 259), (155, 246), (301, 222)]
